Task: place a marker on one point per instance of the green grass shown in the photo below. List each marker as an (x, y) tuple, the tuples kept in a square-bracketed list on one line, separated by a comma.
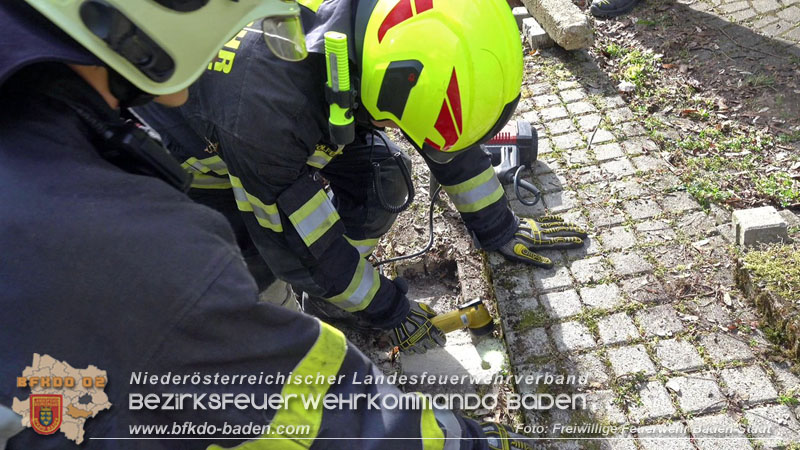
[(779, 187), (778, 266), (532, 318)]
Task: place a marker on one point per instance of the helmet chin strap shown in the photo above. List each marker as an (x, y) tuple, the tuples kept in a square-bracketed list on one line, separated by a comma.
[(124, 91)]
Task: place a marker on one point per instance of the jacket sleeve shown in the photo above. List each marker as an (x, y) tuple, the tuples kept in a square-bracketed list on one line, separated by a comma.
[(477, 194), (228, 333)]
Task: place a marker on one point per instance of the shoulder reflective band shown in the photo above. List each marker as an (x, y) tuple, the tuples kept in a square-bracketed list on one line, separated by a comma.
[(266, 213), (314, 218), (361, 290), (213, 164), (324, 359), (476, 193), (313, 5), (364, 246)]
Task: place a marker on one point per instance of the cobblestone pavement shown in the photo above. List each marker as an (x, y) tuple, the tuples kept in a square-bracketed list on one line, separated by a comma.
[(648, 311), (779, 19)]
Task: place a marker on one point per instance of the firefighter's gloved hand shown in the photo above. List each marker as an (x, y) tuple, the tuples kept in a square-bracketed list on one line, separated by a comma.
[(416, 334), (545, 233), (500, 437)]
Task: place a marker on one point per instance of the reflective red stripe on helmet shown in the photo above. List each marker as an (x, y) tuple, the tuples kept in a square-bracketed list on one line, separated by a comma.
[(455, 100), (401, 12), (449, 124)]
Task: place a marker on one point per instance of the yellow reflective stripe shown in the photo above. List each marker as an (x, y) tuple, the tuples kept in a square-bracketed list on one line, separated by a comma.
[(324, 360), (361, 290), (364, 246), (314, 218), (319, 159), (266, 214), (476, 193), (432, 435), (212, 164), (313, 5), (201, 181)]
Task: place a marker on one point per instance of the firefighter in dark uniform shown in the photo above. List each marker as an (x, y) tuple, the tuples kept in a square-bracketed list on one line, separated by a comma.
[(105, 261), (255, 133)]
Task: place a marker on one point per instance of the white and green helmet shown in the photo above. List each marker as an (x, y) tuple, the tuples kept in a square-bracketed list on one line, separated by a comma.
[(162, 46)]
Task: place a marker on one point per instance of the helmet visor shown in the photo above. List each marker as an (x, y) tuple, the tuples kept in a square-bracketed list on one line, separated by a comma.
[(285, 37)]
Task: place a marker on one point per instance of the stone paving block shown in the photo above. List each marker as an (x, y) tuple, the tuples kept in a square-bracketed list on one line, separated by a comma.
[(552, 279), (629, 263), (588, 123), (791, 14), (618, 238), (618, 168), (765, 21), (520, 12), (605, 152), (543, 101), (697, 393), (603, 408), (589, 269), (577, 217), (719, 432), (750, 384), (560, 305), (783, 428), (589, 365), (568, 141), (763, 6), (560, 127), (777, 28), (605, 217), (616, 328), (792, 220), (630, 360), (655, 403), (483, 360), (540, 88), (627, 189), (579, 108), (613, 101), (722, 348), (553, 113), (572, 336), (561, 201), (572, 95), (646, 163), (759, 226), (745, 14), (578, 157), (565, 23), (733, 7), (661, 321), (547, 183), (526, 210), (787, 381), (534, 34), (527, 344), (696, 224), (631, 129), (664, 182), (591, 246), (642, 209), (603, 296), (619, 442), (679, 202), (644, 289), (564, 85), (602, 136), (637, 146), (540, 167), (678, 355), (794, 35), (664, 437), (655, 231), (619, 115)]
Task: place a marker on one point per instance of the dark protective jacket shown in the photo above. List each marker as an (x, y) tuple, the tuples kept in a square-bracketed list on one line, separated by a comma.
[(258, 126), (105, 267)]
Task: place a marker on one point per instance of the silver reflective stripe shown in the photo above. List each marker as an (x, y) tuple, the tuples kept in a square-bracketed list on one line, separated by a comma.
[(213, 164), (10, 424), (361, 290), (266, 214), (317, 161), (452, 428), (470, 199), (309, 227)]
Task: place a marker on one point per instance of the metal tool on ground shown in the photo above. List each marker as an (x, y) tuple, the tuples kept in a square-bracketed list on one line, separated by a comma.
[(514, 149), (472, 315)]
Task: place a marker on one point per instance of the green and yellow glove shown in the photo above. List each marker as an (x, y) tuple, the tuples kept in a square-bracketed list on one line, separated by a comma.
[(545, 233), (416, 334), (499, 437)]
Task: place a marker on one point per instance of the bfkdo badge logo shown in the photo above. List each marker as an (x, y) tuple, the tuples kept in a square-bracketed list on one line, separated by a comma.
[(46, 413)]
